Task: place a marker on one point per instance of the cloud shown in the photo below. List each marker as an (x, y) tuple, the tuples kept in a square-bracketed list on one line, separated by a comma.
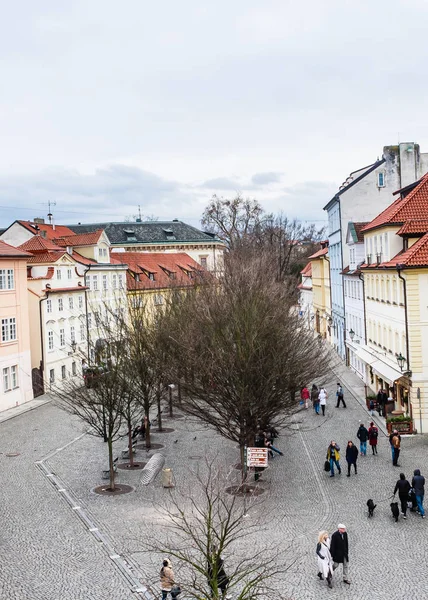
[(266, 178), (221, 183)]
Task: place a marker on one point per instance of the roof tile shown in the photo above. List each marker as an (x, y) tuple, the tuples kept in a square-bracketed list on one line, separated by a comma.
[(8, 251)]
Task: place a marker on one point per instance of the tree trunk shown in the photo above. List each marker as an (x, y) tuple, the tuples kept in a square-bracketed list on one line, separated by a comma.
[(158, 400), (179, 393), (131, 454), (147, 432), (104, 425), (111, 463), (170, 401)]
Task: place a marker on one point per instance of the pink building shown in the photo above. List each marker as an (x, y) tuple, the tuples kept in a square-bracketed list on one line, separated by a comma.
[(15, 358)]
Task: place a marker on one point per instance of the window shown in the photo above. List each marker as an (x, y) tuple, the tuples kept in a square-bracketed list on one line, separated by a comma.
[(104, 282), (69, 274), (50, 340), (58, 274), (6, 279), (49, 306), (121, 281), (80, 301), (89, 320), (82, 332), (14, 376), (97, 317), (60, 304), (95, 282), (394, 290), (70, 302), (8, 329), (158, 300), (10, 378), (63, 372), (72, 334), (203, 260), (114, 282), (381, 179), (52, 376), (87, 281), (62, 338), (73, 368), (6, 380)]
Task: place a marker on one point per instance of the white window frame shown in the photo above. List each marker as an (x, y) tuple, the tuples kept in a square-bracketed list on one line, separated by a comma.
[(51, 344), (70, 302), (48, 305), (95, 282), (52, 376), (63, 372), (6, 380), (8, 330), (58, 274), (69, 274), (60, 305), (104, 282), (72, 334), (62, 338), (14, 377), (7, 279), (80, 301)]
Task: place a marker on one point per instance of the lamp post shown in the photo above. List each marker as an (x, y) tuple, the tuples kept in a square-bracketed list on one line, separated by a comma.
[(352, 334), (171, 386), (401, 360)]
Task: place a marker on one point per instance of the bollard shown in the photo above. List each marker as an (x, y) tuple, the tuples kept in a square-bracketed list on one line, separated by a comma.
[(167, 478)]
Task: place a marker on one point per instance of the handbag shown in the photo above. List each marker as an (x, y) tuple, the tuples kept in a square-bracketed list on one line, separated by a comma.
[(176, 589), (327, 466)]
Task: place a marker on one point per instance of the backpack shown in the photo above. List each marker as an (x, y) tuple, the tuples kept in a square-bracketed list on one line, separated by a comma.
[(374, 433)]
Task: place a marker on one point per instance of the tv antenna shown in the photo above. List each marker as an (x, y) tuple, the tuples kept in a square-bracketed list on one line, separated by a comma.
[(50, 204)]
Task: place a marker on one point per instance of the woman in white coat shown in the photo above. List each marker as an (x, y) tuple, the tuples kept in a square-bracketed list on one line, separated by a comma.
[(323, 399), (325, 562)]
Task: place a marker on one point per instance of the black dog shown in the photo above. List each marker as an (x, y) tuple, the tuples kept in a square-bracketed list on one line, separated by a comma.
[(395, 511), (371, 506)]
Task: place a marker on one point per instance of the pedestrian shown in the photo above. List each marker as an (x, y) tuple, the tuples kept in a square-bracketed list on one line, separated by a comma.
[(305, 395), (394, 433), (315, 399), (382, 399), (373, 435), (333, 456), (351, 457), (371, 406), (363, 436), (325, 562), (167, 580), (418, 484), (403, 488), (322, 399), (217, 574), (396, 443), (339, 551), (339, 396), (271, 448)]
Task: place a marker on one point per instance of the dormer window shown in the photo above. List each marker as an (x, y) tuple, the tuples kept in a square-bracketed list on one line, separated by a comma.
[(169, 234), (130, 235)]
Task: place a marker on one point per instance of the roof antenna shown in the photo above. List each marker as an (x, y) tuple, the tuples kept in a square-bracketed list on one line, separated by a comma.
[(50, 215), (139, 219)]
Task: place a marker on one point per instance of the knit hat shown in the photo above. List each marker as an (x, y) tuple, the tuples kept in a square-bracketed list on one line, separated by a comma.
[(341, 526)]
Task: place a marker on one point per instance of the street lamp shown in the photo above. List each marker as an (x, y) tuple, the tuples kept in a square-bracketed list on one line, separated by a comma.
[(401, 360), (73, 346), (351, 334)]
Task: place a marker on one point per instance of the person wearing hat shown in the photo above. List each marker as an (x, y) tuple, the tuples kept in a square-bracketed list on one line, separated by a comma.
[(339, 551)]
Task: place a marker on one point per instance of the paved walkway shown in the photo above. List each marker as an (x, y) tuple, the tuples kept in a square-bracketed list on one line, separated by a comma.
[(41, 531)]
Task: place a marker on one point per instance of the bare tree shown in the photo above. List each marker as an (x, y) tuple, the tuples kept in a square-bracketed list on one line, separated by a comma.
[(204, 526), (241, 349)]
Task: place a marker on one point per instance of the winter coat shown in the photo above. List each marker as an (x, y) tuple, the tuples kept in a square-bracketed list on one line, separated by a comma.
[(305, 394), (418, 483), (325, 562), (402, 487), (166, 578), (391, 437), (333, 452), (396, 441), (372, 438), (351, 454), (362, 434), (322, 397), (314, 394), (339, 547)]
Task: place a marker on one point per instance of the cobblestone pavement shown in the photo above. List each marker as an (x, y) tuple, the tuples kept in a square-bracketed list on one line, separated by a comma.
[(40, 531)]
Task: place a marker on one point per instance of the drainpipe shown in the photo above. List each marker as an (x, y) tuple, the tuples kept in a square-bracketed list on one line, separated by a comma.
[(42, 362), (360, 276), (87, 320), (399, 269), (341, 278)]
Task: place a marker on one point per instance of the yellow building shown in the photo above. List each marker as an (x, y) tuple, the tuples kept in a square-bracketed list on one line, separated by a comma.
[(321, 292)]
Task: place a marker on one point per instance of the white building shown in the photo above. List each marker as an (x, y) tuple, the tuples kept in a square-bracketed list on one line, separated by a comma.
[(364, 194)]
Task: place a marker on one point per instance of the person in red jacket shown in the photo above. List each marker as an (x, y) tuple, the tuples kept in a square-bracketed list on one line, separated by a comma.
[(373, 435), (305, 395)]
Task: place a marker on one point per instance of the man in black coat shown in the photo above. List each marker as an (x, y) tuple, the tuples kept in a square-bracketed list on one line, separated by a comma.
[(339, 550)]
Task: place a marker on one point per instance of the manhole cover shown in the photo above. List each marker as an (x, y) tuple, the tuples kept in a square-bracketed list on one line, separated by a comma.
[(134, 467), (244, 490), (196, 457), (13, 454), (120, 489), (164, 430), (152, 447)]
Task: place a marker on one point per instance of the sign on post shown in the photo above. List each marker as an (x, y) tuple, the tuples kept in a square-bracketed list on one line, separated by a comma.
[(257, 457)]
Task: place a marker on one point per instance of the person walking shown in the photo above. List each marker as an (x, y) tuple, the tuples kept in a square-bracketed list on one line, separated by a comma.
[(339, 396), (333, 456), (403, 488), (340, 551), (323, 399), (305, 395), (371, 406), (325, 562), (382, 399), (394, 433), (217, 574), (363, 436), (167, 580), (396, 445), (271, 448), (351, 457), (315, 399), (418, 484), (373, 435)]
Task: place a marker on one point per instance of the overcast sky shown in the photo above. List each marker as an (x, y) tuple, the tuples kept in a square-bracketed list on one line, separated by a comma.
[(105, 105)]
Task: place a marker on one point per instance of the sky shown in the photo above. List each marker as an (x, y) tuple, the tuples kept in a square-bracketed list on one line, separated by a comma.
[(106, 105)]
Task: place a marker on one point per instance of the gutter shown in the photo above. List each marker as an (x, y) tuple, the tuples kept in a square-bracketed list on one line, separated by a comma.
[(360, 276)]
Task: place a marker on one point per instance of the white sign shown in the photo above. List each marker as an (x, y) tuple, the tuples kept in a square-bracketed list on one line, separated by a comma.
[(257, 457)]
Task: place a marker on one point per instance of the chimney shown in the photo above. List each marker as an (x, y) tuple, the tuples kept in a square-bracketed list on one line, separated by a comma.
[(39, 220)]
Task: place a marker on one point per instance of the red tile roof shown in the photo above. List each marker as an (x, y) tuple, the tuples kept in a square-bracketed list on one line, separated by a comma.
[(321, 252), (39, 244), (48, 275), (52, 231), (83, 260), (45, 257), (140, 263), (7, 251), (414, 226), (413, 206), (79, 239), (415, 256), (307, 271)]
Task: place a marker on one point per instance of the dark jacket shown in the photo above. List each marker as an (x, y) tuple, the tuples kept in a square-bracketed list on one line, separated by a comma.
[(339, 547), (314, 394), (418, 483), (402, 487), (351, 454), (362, 434)]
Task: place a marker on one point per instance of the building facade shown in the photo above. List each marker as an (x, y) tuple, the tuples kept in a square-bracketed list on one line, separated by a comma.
[(15, 357), (306, 297), (320, 267)]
